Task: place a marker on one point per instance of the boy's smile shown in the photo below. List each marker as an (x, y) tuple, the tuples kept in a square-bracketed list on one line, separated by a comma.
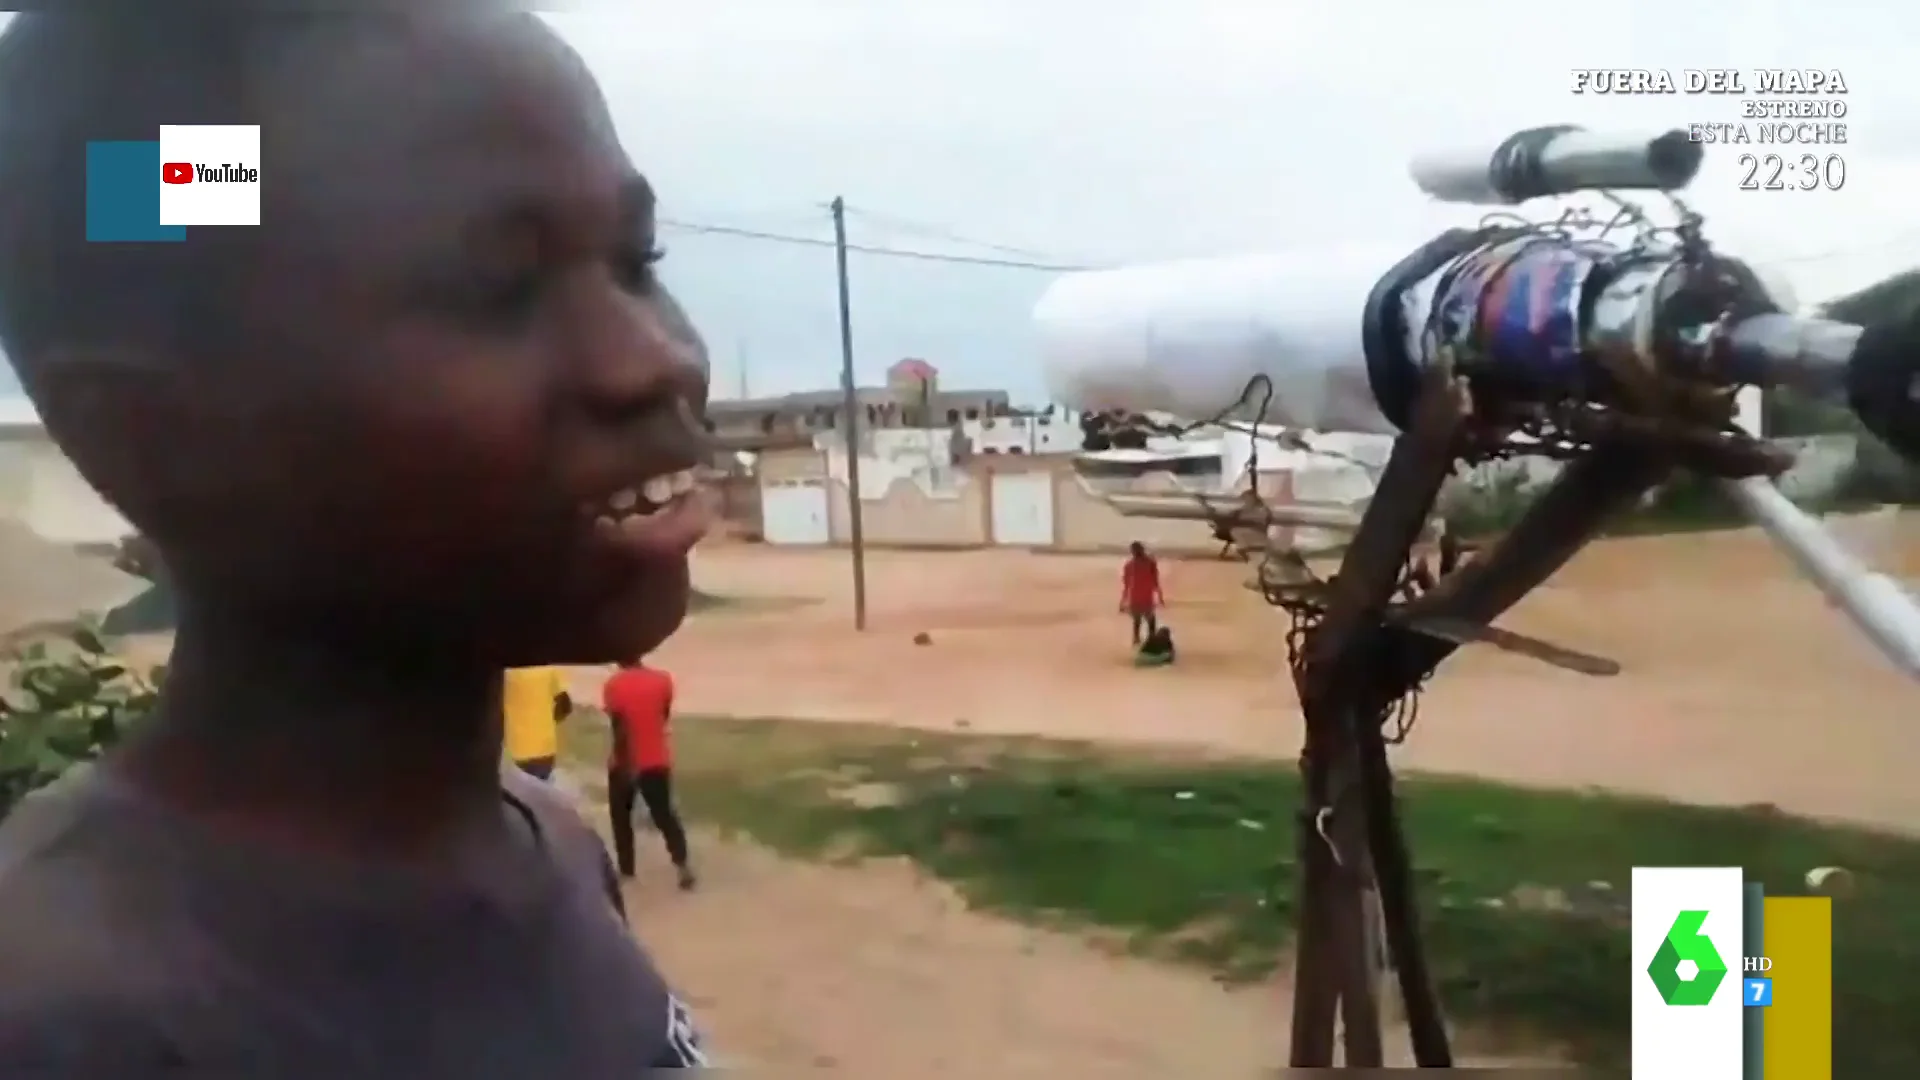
[(519, 358), (654, 519)]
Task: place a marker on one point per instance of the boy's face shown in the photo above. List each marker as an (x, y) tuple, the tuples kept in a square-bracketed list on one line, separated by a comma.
[(469, 375)]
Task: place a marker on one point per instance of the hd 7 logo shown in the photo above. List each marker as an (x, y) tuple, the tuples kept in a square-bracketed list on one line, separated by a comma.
[(1687, 969)]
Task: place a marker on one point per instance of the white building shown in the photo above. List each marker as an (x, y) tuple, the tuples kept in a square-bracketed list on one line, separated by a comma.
[(922, 455), (40, 488), (1056, 431)]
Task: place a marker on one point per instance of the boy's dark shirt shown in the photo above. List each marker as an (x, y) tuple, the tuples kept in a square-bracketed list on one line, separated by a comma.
[(134, 945)]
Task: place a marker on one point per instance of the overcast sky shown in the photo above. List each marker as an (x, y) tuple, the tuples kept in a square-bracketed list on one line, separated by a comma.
[(1128, 130)]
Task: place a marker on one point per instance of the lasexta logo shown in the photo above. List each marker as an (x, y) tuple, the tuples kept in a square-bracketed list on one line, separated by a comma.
[(176, 172), (1685, 943)]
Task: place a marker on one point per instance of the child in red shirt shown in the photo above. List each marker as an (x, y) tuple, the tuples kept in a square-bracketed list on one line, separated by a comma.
[(639, 701), (1140, 595)]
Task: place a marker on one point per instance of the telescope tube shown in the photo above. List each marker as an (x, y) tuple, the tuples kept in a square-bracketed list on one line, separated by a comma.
[(1558, 160), (1186, 337)]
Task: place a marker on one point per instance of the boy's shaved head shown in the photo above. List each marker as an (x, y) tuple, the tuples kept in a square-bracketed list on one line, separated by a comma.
[(75, 79), (69, 80), (397, 403)]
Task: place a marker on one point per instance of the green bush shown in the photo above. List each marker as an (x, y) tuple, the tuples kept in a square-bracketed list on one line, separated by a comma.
[(1489, 508), (1878, 475), (1683, 503), (1686, 502), (1786, 414), (67, 699)]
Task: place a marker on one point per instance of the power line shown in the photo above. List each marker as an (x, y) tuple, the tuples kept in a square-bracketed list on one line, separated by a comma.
[(868, 249), (1039, 264), (937, 232)]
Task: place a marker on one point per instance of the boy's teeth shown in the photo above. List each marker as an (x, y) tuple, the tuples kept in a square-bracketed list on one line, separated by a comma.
[(647, 499), (659, 490)]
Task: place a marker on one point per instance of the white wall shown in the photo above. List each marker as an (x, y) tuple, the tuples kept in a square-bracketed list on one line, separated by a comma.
[(16, 475), (41, 489), (1331, 452), (921, 456), (1055, 434)]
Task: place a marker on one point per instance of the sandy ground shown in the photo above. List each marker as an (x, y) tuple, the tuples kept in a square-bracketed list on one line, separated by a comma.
[(1740, 686), (42, 581), (878, 972)]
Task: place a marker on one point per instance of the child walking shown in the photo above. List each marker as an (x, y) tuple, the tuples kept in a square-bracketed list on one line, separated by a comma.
[(1140, 595), (639, 701)]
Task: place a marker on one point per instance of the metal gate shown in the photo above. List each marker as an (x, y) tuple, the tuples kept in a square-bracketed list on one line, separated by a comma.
[(1023, 509), (795, 513)]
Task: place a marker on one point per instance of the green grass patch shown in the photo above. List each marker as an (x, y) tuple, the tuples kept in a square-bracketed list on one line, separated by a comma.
[(1524, 892)]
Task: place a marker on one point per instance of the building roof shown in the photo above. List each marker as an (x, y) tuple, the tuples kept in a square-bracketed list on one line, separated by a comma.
[(800, 401), (914, 367), (809, 400)]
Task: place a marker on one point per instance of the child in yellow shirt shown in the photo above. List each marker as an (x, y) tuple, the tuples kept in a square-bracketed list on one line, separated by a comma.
[(533, 701)]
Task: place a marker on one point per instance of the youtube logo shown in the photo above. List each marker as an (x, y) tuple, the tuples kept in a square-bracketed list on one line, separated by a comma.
[(209, 175)]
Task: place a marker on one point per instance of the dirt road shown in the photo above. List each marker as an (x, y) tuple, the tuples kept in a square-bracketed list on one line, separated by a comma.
[(1740, 685), (877, 972)]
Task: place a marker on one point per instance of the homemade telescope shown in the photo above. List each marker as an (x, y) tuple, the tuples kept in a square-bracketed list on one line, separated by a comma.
[(1559, 334), (1615, 346)]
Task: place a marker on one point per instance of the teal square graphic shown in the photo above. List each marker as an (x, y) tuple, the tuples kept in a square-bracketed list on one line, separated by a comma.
[(123, 194)]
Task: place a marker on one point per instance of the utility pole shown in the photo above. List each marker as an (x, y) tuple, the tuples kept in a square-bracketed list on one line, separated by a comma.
[(740, 354), (851, 426)]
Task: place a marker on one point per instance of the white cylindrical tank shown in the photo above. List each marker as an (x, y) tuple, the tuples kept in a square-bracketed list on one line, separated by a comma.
[(1185, 337)]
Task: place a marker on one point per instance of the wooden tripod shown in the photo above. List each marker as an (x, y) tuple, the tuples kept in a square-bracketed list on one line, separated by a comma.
[(1363, 657), (1349, 839)]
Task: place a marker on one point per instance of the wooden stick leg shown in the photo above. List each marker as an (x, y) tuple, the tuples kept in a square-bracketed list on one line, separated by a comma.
[(1393, 873), (1351, 937), (1359, 1008), (1335, 972), (1316, 995), (1333, 676)]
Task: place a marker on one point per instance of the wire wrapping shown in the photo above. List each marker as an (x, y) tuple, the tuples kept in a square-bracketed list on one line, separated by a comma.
[(1304, 597)]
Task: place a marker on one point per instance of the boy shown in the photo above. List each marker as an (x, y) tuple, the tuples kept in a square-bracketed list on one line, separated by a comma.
[(1140, 595), (533, 701), (422, 425), (639, 702)]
